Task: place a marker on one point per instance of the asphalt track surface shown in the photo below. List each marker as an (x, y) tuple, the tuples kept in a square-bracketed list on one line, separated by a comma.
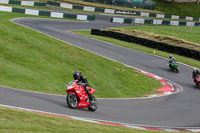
[(179, 110)]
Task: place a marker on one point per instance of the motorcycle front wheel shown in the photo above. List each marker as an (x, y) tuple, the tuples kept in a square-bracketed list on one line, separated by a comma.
[(72, 100)]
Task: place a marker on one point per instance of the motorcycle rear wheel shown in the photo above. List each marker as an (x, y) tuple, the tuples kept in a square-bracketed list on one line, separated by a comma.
[(72, 100)]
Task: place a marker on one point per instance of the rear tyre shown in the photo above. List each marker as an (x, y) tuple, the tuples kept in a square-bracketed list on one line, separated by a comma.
[(72, 101), (93, 104), (170, 66), (177, 70)]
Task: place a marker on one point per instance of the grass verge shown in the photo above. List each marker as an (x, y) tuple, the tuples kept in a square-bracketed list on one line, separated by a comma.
[(28, 7), (81, 2), (187, 33), (140, 48), (32, 61), (17, 121), (183, 36), (182, 9)]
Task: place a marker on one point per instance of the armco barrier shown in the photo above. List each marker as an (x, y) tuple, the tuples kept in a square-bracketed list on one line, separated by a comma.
[(153, 21), (46, 13), (149, 43)]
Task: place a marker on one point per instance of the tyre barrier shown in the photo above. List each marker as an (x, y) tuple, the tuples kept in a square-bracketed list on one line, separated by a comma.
[(153, 21), (46, 13), (194, 54)]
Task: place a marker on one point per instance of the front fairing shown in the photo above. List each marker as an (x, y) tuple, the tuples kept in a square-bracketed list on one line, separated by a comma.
[(174, 65), (197, 78), (71, 86)]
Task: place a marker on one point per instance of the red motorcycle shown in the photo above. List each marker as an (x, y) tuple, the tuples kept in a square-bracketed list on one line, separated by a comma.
[(197, 80), (78, 98)]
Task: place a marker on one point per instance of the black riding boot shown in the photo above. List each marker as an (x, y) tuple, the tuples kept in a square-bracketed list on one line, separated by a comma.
[(90, 95)]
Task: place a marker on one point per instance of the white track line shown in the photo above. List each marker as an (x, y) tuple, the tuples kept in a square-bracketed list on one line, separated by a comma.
[(138, 126)]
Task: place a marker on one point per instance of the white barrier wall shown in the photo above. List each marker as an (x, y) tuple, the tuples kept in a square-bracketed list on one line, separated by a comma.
[(160, 16), (118, 20), (190, 24), (144, 14), (69, 6), (109, 11), (157, 21), (37, 12), (88, 8), (4, 1), (189, 18), (32, 12), (27, 3), (139, 21), (81, 17), (174, 17), (56, 15), (174, 23), (5, 9)]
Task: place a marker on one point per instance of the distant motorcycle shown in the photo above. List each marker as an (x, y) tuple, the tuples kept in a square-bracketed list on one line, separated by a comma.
[(197, 80), (77, 97), (174, 66)]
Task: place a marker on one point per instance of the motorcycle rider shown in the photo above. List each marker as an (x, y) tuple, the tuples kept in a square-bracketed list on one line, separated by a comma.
[(195, 72), (171, 59), (82, 80)]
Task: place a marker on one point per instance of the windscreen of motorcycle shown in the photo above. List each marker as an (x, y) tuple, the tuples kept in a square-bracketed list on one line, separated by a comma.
[(71, 84)]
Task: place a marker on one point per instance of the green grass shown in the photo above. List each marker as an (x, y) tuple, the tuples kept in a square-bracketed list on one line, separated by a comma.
[(82, 11), (15, 121), (181, 9), (183, 36), (140, 48), (46, 8), (182, 32), (32, 61), (38, 8), (81, 2), (28, 7)]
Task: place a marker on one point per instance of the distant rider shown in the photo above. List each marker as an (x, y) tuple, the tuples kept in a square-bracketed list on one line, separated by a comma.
[(171, 59), (82, 80), (195, 72)]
